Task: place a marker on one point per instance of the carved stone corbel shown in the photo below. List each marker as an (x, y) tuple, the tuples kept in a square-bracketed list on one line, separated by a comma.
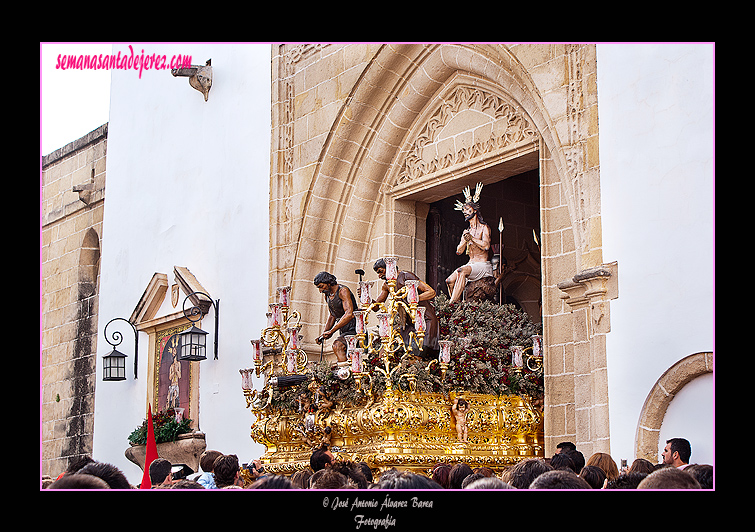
[(592, 289), (200, 77)]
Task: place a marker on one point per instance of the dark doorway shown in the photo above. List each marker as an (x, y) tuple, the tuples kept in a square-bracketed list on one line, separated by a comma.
[(516, 200)]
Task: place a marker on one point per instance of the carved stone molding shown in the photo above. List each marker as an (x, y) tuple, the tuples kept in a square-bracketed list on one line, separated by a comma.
[(497, 124)]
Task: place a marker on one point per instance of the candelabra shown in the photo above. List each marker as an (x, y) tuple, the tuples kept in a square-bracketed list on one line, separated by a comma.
[(392, 341), (281, 336)]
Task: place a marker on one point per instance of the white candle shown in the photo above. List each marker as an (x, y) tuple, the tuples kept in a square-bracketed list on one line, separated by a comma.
[(517, 354), (391, 268), (284, 293), (257, 350), (384, 324), (365, 297), (359, 316), (445, 351), (419, 320), (537, 345), (412, 292)]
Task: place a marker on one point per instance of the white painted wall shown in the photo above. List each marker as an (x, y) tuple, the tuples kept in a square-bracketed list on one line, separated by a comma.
[(656, 116), (187, 185)]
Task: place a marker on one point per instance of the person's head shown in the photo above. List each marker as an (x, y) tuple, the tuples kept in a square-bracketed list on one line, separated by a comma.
[(559, 479), (324, 281), (640, 465), (207, 460), (321, 458), (328, 479), (440, 474), (577, 457), (676, 452), (565, 446), (364, 467), (471, 478), (107, 472), (300, 479), (523, 473), (379, 268), (457, 475), (352, 472), (488, 483), (79, 481), (669, 478), (594, 476), (606, 463), (186, 484), (563, 461), (226, 470), (159, 471), (272, 482), (703, 473), (406, 480), (470, 210), (77, 464), (626, 481)]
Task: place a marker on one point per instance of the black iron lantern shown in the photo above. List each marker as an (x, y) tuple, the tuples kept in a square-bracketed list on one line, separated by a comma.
[(193, 341), (114, 366), (114, 363), (192, 344)]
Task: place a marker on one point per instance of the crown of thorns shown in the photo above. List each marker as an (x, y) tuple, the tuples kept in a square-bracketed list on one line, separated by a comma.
[(469, 197)]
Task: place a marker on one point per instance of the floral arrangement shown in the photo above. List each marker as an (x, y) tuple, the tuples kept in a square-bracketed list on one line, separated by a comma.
[(165, 426), (481, 360)]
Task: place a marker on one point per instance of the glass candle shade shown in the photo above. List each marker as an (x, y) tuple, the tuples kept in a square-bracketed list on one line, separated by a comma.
[(445, 351), (365, 296), (246, 379), (391, 268), (277, 314), (284, 295), (384, 324), (293, 333), (359, 317), (517, 355), (537, 345), (291, 361), (355, 355), (412, 291), (257, 350), (419, 321)]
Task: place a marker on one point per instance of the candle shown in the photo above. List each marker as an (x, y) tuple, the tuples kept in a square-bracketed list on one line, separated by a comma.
[(359, 316), (517, 355), (384, 324), (246, 379), (419, 320), (412, 292), (351, 341), (365, 297), (269, 319), (445, 351), (391, 268), (284, 293), (291, 361), (257, 350)]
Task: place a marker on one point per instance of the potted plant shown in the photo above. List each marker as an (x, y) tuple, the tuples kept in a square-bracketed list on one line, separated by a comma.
[(176, 440)]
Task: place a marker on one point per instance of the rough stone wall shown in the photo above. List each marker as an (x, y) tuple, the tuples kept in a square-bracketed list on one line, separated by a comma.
[(73, 186)]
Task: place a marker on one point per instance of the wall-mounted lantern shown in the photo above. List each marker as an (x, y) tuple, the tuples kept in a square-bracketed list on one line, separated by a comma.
[(114, 363), (193, 341)]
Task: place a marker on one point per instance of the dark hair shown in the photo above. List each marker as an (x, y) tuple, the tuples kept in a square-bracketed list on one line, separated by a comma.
[(300, 479), (272, 482), (319, 459), (562, 461), (351, 472), (380, 263), (325, 277), (159, 469), (559, 479), (77, 464), (703, 473), (364, 467), (79, 481), (207, 460), (594, 476), (577, 457), (681, 446), (224, 469), (186, 484), (488, 483), (440, 474), (327, 479), (669, 478), (569, 446), (107, 472), (523, 473), (626, 481), (641, 465), (404, 480), (457, 475)]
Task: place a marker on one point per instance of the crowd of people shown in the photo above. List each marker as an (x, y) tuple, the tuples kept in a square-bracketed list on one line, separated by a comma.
[(566, 469)]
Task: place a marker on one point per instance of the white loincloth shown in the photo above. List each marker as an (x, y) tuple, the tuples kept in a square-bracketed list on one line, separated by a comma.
[(479, 270)]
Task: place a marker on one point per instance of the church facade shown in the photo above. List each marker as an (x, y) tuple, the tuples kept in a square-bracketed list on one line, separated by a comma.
[(369, 145)]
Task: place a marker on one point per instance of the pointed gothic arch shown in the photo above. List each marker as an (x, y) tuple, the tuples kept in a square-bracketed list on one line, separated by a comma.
[(385, 158)]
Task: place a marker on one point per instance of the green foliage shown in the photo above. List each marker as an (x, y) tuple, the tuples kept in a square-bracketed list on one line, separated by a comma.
[(165, 426)]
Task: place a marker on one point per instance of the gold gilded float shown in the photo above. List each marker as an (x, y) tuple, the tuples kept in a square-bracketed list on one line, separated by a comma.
[(385, 413)]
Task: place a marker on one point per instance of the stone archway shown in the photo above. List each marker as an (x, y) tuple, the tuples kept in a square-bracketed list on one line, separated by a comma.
[(396, 141), (658, 400)]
